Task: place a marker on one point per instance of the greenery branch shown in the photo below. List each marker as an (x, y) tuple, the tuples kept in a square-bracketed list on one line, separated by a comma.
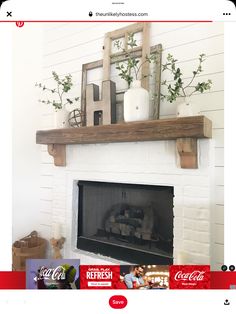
[(131, 63), (178, 89), (63, 86)]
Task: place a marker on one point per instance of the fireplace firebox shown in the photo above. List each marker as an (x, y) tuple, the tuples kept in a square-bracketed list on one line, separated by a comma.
[(129, 222)]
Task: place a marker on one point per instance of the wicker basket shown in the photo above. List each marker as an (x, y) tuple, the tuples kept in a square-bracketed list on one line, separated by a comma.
[(29, 247)]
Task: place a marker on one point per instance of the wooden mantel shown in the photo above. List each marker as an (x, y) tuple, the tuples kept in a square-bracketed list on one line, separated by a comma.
[(184, 130)]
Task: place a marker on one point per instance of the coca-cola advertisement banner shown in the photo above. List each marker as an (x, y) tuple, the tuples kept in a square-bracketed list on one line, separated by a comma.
[(52, 274), (141, 277), (99, 276), (190, 277)]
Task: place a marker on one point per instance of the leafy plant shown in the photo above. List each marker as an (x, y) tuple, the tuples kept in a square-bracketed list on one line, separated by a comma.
[(130, 68), (178, 88), (63, 86)]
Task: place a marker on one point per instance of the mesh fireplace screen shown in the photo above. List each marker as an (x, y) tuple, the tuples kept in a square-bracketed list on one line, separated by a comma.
[(114, 217)]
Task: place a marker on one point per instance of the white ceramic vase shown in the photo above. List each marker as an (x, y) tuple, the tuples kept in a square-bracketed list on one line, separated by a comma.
[(61, 118), (136, 103), (185, 108)]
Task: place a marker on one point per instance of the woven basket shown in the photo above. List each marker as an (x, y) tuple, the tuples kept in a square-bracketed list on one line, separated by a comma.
[(29, 247)]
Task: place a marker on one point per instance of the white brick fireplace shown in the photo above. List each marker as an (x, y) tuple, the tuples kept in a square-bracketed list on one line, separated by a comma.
[(152, 163), (199, 201)]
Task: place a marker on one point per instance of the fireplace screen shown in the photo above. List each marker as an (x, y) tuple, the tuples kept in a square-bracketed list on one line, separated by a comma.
[(126, 221)]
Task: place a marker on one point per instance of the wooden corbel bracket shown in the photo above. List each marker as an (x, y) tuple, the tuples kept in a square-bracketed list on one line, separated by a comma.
[(58, 152), (187, 149)]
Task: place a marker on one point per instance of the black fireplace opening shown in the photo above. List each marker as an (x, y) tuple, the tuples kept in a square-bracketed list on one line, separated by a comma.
[(129, 222)]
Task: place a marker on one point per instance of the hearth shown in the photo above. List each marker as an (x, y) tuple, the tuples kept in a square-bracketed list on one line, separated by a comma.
[(129, 222)]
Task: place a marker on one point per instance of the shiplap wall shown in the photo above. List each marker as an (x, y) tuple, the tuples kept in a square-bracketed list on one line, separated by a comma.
[(69, 45)]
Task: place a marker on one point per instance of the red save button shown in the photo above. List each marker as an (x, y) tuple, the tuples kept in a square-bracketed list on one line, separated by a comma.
[(118, 301)]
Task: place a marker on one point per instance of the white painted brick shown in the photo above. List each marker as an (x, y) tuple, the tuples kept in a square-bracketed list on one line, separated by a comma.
[(219, 195), (200, 180), (218, 251), (199, 259), (195, 247), (178, 192), (59, 219), (45, 217), (59, 177), (196, 225), (178, 223), (59, 173), (203, 226), (190, 224), (219, 233), (178, 233), (44, 231), (59, 213), (196, 213), (59, 184), (190, 258), (59, 196), (59, 204), (46, 181), (59, 189), (46, 193), (219, 175), (196, 202), (178, 244), (178, 211), (197, 236), (196, 191), (69, 216), (178, 199), (46, 169), (45, 205), (219, 214)]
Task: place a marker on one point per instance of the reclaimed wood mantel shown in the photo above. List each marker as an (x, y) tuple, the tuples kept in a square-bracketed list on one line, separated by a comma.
[(184, 130)]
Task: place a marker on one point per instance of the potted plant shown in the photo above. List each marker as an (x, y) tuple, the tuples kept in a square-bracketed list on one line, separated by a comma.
[(136, 99), (179, 89), (63, 86)]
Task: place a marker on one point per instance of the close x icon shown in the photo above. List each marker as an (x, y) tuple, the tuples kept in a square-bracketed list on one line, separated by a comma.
[(9, 13)]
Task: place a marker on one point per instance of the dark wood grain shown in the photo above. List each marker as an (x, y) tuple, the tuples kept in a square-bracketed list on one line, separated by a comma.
[(152, 130)]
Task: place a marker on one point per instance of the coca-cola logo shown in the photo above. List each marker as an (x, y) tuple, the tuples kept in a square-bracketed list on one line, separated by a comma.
[(57, 273), (196, 275), (189, 277)]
